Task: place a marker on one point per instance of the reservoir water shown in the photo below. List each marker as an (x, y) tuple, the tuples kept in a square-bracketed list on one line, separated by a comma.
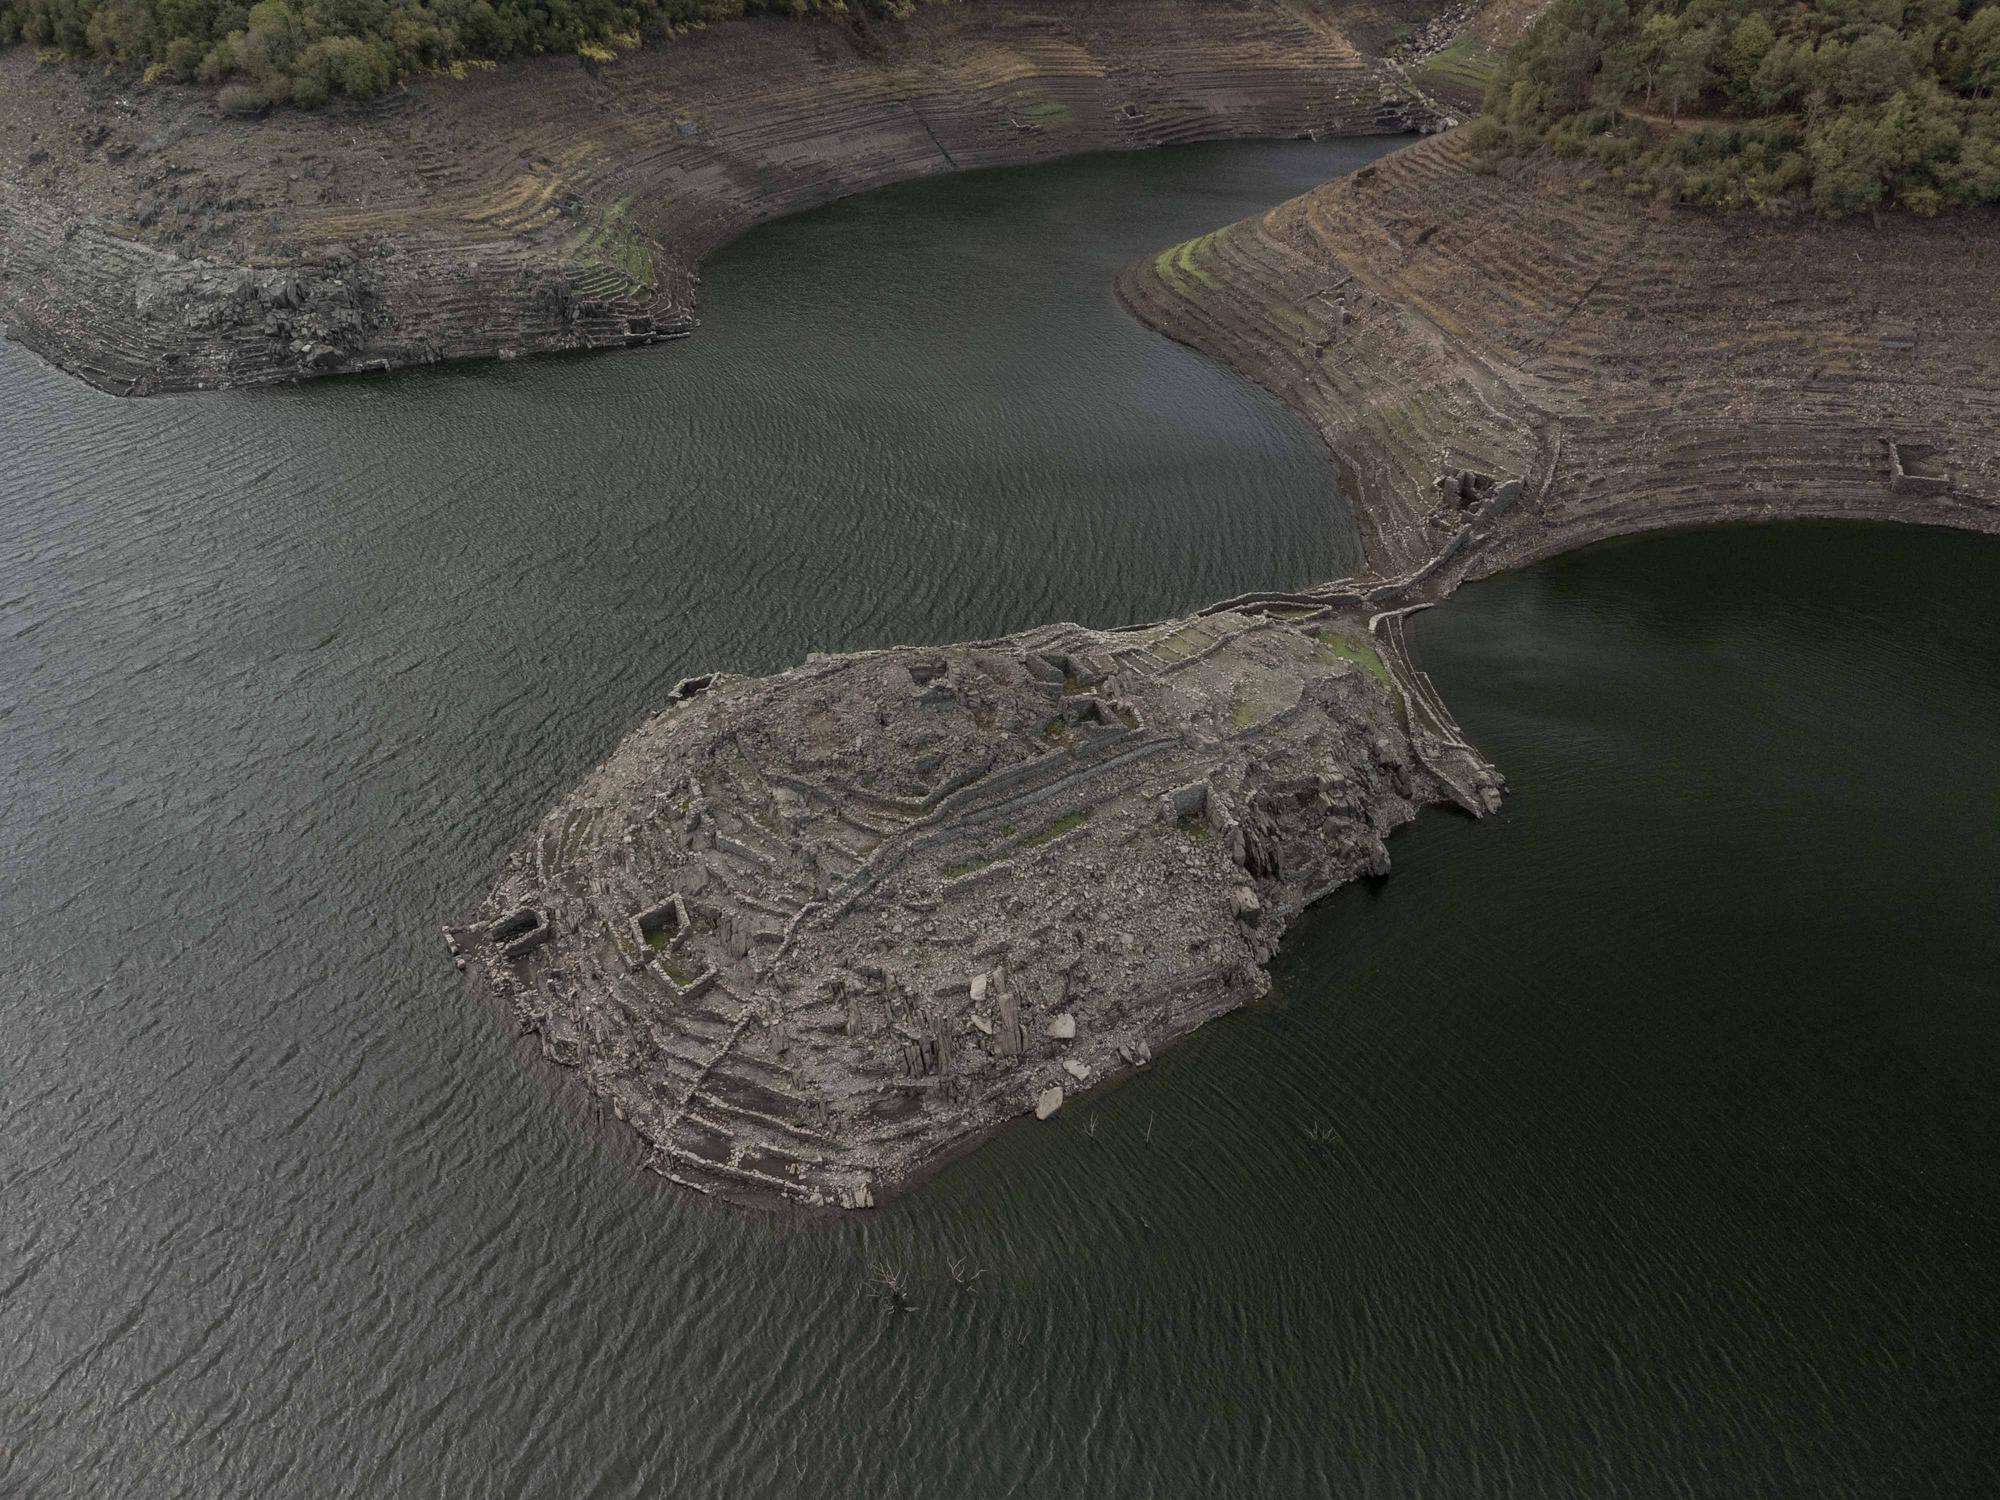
[(1641, 1141)]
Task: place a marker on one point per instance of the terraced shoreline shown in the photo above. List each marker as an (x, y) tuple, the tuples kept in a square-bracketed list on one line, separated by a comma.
[(149, 244), (812, 935), (823, 933), (1508, 363)]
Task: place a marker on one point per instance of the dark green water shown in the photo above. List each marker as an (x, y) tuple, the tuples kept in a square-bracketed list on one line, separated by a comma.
[(1659, 1135)]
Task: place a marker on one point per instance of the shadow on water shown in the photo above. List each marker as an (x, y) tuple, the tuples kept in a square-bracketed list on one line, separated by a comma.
[(1631, 1143)]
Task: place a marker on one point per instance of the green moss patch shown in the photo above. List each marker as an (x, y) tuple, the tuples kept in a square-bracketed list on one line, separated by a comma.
[(1056, 829), (1180, 264), (1340, 648), (610, 243), (1468, 64)]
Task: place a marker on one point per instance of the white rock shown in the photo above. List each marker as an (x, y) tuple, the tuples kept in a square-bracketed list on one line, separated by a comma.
[(1075, 1069), (978, 988), (1062, 1027), (1049, 1102)]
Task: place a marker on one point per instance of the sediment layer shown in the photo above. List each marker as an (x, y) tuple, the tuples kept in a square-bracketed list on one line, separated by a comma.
[(148, 243), (810, 934), (1509, 362)]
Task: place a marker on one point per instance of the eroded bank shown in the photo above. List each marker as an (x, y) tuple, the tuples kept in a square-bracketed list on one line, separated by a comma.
[(149, 244), (1507, 361)]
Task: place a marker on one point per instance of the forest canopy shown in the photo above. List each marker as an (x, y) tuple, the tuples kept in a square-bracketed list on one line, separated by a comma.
[(1843, 105), (303, 51)]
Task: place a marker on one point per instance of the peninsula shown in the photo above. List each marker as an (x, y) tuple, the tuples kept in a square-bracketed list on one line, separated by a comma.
[(1448, 320)]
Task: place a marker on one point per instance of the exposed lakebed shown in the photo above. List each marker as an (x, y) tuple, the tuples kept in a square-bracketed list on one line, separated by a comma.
[(1639, 1141)]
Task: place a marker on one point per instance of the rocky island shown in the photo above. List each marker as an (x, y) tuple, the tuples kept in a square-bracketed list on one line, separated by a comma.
[(811, 934)]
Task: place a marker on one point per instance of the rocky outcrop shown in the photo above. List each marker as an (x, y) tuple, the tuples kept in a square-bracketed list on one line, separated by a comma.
[(149, 244), (1450, 325), (810, 934)]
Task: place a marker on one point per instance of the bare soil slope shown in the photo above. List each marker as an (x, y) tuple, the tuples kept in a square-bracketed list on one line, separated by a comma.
[(1450, 329)]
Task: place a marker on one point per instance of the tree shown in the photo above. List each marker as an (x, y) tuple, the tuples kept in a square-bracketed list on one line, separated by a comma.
[(1689, 70), (1975, 58), (1571, 63), (1657, 40), (120, 31), (1876, 66), (1782, 77), (1749, 45)]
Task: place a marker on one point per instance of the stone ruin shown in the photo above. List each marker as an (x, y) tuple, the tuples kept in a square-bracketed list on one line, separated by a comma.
[(1914, 469), (1479, 498)]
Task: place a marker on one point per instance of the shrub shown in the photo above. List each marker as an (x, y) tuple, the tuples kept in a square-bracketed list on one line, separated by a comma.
[(243, 99), (1485, 134), (183, 58)]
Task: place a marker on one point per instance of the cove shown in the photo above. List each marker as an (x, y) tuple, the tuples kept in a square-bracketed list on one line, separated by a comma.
[(1485, 1202)]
